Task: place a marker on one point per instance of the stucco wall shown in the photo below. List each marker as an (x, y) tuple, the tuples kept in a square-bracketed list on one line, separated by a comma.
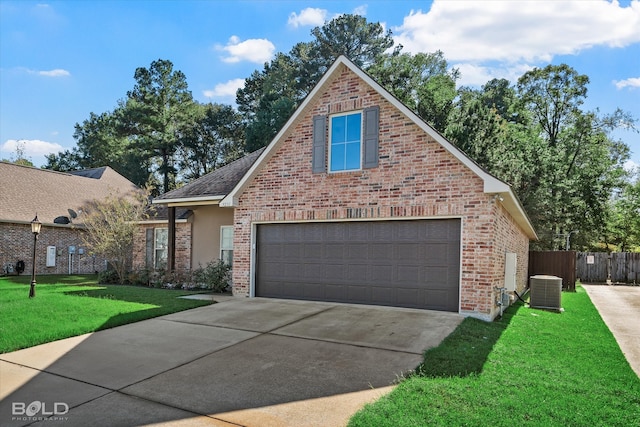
[(207, 221), (416, 178)]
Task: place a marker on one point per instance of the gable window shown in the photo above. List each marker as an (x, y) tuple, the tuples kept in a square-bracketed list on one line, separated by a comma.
[(160, 243), (345, 147), (226, 244), (352, 141)]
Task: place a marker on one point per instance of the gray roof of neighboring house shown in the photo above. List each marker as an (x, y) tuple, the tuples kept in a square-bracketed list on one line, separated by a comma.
[(25, 191), (95, 173), (217, 183)]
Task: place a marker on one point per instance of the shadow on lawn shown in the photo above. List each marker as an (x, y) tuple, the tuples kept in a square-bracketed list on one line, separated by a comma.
[(161, 305), (465, 351)]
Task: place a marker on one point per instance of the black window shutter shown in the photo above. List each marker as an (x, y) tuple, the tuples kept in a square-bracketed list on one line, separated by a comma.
[(149, 248), (370, 137), (319, 144)]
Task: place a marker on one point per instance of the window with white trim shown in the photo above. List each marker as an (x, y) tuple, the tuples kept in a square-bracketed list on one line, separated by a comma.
[(160, 243), (226, 244), (345, 144)]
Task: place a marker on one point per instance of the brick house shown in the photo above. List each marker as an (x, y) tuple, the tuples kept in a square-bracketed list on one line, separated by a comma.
[(358, 200), (59, 200)]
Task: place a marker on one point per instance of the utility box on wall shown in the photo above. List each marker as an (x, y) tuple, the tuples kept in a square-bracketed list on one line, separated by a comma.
[(510, 271), (51, 256)]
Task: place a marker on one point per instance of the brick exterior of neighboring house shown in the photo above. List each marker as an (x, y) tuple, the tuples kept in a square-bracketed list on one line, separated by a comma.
[(55, 197), (143, 245)]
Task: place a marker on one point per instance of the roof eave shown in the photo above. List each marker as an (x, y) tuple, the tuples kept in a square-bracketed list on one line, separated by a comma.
[(188, 201)]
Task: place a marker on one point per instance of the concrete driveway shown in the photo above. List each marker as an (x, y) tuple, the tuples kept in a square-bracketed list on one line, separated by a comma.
[(250, 362), (619, 307)]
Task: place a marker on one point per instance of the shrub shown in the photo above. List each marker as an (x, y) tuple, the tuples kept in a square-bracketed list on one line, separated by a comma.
[(108, 277), (215, 276)]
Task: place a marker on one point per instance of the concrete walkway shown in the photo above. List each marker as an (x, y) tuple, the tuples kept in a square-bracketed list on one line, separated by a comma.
[(247, 362), (619, 307)]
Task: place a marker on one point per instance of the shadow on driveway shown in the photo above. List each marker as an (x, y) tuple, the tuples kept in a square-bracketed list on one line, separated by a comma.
[(221, 363)]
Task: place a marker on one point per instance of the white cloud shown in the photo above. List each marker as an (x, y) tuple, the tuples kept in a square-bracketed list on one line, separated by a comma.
[(227, 89), (310, 16), (57, 72), (360, 10), (518, 31), (630, 82), (631, 166), (477, 75), (252, 50), (31, 147)]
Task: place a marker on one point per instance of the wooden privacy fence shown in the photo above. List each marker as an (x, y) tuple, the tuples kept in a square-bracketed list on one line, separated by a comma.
[(555, 263), (621, 267)]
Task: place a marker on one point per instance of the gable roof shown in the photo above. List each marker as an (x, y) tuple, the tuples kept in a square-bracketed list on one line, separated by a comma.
[(26, 191), (212, 186), (492, 185)]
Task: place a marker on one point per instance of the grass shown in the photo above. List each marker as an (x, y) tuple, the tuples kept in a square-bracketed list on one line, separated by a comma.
[(67, 306), (532, 368)]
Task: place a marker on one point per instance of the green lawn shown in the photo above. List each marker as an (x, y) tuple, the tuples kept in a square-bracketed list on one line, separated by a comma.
[(67, 306), (532, 368)]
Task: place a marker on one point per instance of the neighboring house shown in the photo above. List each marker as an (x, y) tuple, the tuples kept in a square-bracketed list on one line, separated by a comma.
[(358, 200), (59, 199), (204, 230)]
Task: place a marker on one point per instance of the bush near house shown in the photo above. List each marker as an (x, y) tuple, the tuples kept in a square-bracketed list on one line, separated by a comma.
[(215, 276)]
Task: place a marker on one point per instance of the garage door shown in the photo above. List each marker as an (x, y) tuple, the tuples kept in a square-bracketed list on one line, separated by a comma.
[(397, 263)]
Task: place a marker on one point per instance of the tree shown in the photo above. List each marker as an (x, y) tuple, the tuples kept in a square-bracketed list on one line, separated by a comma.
[(214, 138), (20, 157), (352, 36), (110, 226), (99, 142), (156, 114), (423, 82), (624, 221), (269, 97), (577, 164)]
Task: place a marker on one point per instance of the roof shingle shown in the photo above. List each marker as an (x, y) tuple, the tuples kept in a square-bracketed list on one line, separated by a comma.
[(217, 183), (25, 191)]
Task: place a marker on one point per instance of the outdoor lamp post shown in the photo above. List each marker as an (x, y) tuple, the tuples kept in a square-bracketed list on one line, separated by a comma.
[(35, 229)]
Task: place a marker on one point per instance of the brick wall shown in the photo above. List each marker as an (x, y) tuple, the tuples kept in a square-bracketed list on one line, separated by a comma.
[(416, 177), (16, 243), (183, 245)]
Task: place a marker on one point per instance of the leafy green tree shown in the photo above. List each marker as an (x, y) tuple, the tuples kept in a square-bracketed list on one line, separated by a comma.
[(270, 96), (423, 82), (352, 36), (624, 221), (156, 114), (577, 165), (214, 138)]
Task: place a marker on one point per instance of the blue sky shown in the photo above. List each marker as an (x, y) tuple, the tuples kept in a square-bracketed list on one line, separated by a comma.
[(62, 60)]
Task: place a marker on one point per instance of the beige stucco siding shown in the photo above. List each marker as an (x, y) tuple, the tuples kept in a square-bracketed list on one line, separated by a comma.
[(207, 221)]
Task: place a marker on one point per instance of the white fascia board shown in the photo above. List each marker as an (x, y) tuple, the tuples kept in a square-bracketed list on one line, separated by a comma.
[(194, 200)]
